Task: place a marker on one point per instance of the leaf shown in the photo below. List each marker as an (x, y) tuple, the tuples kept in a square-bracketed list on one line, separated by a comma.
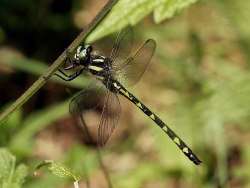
[(9, 126), (7, 164), (125, 12), (20, 174), (58, 170), (14, 119), (168, 8), (130, 12), (10, 176)]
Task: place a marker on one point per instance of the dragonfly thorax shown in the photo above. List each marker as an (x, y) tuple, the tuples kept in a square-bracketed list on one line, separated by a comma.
[(98, 65)]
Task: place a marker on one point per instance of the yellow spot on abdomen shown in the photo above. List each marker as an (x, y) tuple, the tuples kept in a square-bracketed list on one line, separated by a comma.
[(139, 105), (177, 141), (152, 116), (124, 92), (185, 150), (165, 128), (116, 86)]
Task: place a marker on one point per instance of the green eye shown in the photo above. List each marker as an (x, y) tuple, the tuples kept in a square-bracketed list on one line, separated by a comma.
[(83, 53)]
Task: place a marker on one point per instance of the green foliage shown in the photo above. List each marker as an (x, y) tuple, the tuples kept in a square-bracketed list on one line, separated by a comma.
[(11, 176), (10, 126), (130, 12), (168, 8), (22, 140), (238, 13), (137, 176), (226, 89), (58, 170)]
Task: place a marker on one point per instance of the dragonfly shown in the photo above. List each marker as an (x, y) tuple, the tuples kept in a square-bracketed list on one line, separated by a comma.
[(110, 71)]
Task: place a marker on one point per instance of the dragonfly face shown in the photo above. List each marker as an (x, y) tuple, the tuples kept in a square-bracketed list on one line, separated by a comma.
[(82, 54)]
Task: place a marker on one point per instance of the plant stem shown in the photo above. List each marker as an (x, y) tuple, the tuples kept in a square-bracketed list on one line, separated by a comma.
[(58, 62), (76, 184)]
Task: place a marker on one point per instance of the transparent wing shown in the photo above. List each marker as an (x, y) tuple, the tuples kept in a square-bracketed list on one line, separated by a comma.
[(109, 118), (94, 108), (88, 101), (131, 70), (122, 47)]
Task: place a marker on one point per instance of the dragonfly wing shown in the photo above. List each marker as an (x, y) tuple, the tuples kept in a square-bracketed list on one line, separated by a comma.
[(109, 117), (122, 47), (134, 67), (88, 100)]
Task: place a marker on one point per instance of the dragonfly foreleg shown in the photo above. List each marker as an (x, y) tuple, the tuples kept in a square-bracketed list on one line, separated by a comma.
[(66, 77)]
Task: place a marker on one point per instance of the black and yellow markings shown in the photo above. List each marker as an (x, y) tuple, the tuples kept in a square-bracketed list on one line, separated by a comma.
[(100, 60), (126, 94), (177, 141), (101, 68), (116, 86), (165, 129), (95, 68), (139, 105), (184, 148), (152, 116)]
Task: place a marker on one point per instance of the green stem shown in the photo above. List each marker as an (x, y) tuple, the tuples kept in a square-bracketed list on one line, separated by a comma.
[(58, 62)]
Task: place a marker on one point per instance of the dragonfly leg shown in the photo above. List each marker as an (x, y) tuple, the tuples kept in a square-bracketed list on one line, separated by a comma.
[(66, 77), (71, 63), (63, 73)]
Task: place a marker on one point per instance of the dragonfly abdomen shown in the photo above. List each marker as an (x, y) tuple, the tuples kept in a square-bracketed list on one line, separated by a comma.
[(181, 144)]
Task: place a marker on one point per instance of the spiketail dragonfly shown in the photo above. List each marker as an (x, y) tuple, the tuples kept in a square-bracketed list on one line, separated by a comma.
[(110, 70)]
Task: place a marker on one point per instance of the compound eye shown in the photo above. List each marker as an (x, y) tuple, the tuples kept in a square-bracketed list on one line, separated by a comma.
[(89, 49), (78, 50), (82, 54)]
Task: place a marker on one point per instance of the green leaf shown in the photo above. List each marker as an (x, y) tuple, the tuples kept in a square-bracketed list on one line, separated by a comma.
[(10, 176), (130, 12), (124, 13), (14, 120), (9, 126), (20, 174), (7, 164), (168, 8), (58, 170)]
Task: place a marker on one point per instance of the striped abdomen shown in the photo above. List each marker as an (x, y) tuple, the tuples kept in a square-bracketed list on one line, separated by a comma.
[(184, 148)]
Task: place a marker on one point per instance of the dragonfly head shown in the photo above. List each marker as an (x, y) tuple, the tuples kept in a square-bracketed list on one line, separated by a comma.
[(83, 53)]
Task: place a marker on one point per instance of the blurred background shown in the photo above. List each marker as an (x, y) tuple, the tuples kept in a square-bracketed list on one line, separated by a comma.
[(198, 83)]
